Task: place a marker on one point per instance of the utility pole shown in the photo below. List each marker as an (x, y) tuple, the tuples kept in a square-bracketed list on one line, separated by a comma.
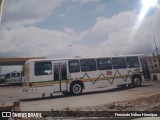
[(156, 47), (1, 9), (0, 70), (70, 50), (158, 57)]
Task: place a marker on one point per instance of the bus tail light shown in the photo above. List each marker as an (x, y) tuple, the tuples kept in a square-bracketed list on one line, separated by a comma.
[(30, 84)]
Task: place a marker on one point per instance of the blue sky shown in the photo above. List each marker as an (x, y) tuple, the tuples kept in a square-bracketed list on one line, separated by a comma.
[(33, 28), (80, 16)]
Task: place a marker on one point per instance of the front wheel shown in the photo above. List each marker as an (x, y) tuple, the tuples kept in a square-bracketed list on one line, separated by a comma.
[(136, 81), (76, 89)]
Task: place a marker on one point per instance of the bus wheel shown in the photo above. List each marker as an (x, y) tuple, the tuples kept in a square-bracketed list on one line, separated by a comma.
[(76, 89), (136, 81)]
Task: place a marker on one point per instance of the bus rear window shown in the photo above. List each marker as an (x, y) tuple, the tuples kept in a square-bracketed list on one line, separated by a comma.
[(43, 68)]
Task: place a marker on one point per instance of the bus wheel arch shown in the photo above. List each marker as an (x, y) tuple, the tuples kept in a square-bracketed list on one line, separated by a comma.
[(76, 87), (136, 80)]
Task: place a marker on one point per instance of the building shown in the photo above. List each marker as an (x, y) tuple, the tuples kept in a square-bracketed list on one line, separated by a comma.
[(154, 63)]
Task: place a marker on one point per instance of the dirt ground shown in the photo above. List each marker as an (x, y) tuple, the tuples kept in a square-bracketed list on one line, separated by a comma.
[(150, 106), (151, 103), (145, 98), (147, 104)]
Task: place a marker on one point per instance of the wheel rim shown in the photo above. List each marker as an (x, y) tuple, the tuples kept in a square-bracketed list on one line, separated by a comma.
[(137, 81), (77, 89)]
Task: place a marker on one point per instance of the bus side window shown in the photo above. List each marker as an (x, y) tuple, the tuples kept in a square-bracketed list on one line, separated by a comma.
[(119, 63), (104, 64), (74, 66), (43, 68), (132, 62), (18, 74), (14, 74), (7, 76), (88, 65)]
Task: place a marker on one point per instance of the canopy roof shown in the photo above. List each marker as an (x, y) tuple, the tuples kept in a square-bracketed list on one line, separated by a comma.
[(16, 61)]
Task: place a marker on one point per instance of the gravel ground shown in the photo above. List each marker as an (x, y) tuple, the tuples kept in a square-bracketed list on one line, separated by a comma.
[(148, 101), (151, 103), (147, 104)]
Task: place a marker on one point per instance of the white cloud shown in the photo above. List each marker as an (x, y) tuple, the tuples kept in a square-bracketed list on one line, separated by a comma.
[(60, 15), (109, 36), (26, 12), (123, 1), (85, 1), (117, 22), (33, 41), (100, 7), (69, 30), (113, 36)]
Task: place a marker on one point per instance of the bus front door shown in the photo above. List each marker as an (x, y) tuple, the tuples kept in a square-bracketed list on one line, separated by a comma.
[(60, 77), (146, 71)]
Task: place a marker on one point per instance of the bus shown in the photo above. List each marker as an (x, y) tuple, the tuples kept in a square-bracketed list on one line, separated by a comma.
[(73, 75), (2, 79), (13, 78)]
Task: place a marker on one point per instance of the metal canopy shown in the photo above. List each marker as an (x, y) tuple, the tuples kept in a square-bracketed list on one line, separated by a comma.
[(16, 61)]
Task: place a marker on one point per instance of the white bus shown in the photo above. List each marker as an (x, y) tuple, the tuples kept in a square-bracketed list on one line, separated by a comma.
[(13, 78), (72, 75)]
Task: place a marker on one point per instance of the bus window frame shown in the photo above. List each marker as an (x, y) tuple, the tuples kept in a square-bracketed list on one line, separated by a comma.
[(43, 66), (111, 66), (74, 66), (95, 65), (134, 65)]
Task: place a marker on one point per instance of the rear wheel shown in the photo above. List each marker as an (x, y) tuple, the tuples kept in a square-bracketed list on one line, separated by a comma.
[(136, 81), (76, 89)]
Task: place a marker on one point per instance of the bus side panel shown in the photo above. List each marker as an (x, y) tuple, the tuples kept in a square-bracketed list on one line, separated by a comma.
[(88, 78), (101, 78), (106, 78), (37, 87), (117, 77)]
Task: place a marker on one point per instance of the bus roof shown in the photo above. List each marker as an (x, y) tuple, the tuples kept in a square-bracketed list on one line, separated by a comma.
[(63, 59)]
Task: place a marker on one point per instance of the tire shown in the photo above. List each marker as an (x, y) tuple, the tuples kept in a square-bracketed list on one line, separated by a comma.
[(76, 89), (136, 81)]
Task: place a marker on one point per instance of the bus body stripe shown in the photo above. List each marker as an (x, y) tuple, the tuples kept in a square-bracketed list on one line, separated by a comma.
[(86, 78), (43, 83)]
